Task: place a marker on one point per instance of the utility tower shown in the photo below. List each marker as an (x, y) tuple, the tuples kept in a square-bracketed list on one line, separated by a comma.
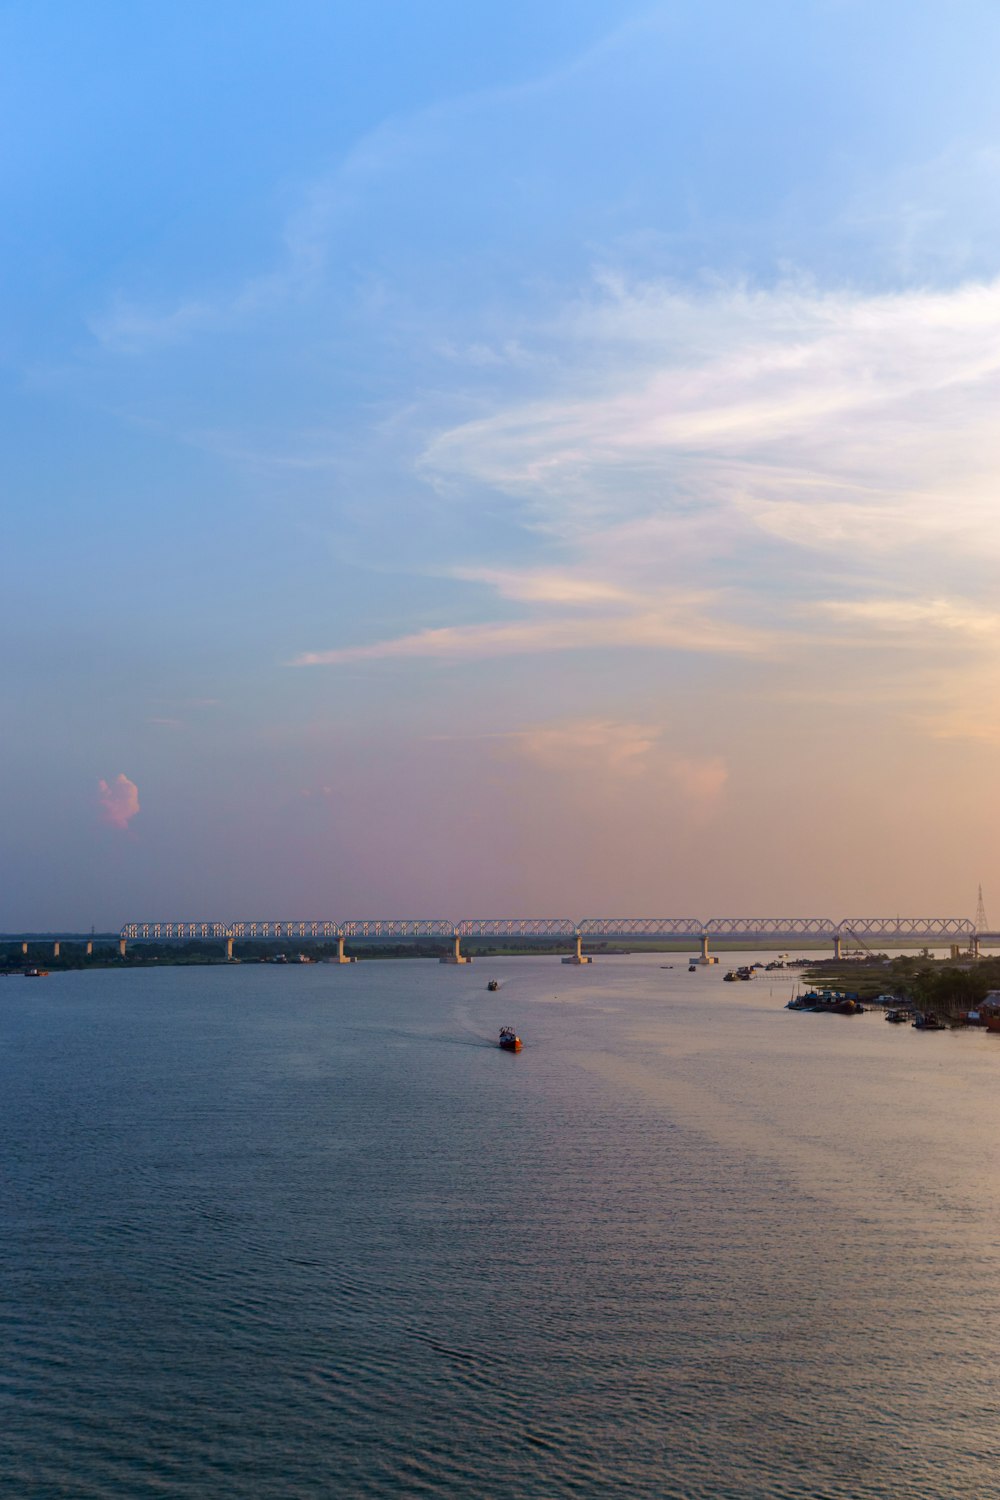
[(982, 925)]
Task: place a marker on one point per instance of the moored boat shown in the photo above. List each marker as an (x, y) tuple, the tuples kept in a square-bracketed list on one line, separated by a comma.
[(829, 1003), (509, 1039)]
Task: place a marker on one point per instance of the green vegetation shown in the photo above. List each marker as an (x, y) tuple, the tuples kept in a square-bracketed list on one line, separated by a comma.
[(942, 986)]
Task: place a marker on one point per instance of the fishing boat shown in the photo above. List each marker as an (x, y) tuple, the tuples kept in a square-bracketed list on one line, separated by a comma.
[(509, 1039), (929, 1022), (494, 984)]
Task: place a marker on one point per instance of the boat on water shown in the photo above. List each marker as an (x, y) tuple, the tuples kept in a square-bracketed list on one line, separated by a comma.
[(509, 1039), (36, 973), (897, 1016), (692, 968), (829, 1003), (929, 1022), (494, 984)]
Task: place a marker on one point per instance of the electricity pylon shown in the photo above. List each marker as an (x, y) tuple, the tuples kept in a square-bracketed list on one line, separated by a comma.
[(982, 925)]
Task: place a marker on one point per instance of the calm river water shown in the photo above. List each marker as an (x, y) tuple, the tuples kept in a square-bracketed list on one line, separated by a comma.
[(306, 1232)]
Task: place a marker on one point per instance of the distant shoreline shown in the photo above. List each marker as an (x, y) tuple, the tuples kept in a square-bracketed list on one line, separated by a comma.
[(144, 954)]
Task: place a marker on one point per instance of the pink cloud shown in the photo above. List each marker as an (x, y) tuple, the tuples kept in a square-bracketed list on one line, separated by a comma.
[(703, 782), (119, 801)]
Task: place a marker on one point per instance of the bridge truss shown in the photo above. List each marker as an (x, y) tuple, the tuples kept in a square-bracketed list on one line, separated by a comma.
[(900, 930), (516, 927)]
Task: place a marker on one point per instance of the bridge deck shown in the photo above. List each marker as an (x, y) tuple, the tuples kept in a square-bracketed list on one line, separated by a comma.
[(755, 929)]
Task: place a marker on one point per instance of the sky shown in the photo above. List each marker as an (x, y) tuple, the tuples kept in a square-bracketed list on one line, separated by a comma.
[(499, 460)]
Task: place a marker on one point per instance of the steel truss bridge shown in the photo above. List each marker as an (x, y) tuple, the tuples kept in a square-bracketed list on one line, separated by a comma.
[(864, 932)]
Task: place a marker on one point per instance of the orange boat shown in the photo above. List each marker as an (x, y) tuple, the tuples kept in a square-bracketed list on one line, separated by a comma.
[(509, 1039)]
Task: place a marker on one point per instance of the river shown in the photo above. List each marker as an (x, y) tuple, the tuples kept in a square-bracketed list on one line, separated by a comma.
[(305, 1232)]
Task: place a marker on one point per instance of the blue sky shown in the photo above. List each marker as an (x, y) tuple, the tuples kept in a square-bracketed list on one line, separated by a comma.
[(502, 456)]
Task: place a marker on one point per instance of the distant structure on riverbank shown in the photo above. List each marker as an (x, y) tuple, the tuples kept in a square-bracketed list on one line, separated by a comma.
[(982, 925)]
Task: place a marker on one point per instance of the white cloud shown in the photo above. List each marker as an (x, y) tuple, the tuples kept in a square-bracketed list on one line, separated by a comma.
[(826, 420)]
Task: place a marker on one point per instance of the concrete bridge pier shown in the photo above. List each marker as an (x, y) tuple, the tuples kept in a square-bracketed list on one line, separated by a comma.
[(706, 957), (55, 949), (457, 957), (837, 946), (90, 948), (579, 957), (342, 957), (24, 949), (121, 947), (229, 950)]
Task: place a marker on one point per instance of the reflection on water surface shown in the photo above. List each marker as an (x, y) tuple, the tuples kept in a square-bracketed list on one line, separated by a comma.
[(308, 1232)]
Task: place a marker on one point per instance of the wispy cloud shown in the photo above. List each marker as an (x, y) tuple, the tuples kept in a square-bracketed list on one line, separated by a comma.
[(553, 586), (128, 325), (622, 750), (826, 420), (682, 625), (915, 619), (603, 745), (119, 801)]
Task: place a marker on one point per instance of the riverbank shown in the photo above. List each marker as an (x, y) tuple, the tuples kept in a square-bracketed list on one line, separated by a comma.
[(944, 987)]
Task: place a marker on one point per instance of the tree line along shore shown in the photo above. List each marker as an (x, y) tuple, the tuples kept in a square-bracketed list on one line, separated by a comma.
[(947, 988)]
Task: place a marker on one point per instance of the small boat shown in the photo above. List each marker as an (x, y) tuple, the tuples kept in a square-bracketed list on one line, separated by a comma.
[(692, 968), (509, 1039), (494, 984), (929, 1022), (36, 973), (897, 1017)]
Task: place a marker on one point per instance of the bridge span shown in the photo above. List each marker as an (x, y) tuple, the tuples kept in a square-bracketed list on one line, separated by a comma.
[(859, 932)]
